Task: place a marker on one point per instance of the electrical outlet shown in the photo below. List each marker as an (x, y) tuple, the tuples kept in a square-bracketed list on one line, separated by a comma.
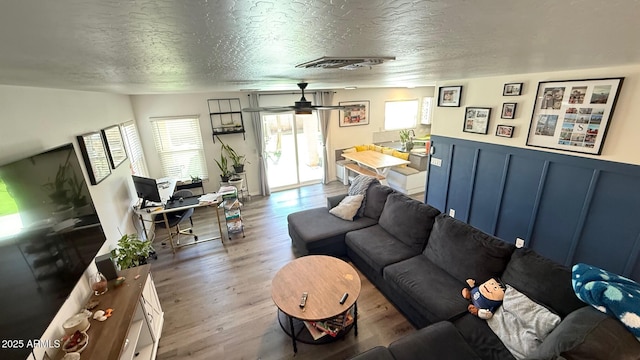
[(519, 242), (452, 213)]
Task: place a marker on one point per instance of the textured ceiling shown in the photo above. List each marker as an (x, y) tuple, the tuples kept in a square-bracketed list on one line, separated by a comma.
[(177, 46)]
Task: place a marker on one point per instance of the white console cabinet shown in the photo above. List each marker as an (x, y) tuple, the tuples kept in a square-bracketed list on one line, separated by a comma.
[(133, 330)]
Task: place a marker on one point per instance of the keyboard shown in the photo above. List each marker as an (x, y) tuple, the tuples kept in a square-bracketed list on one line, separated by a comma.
[(188, 201)]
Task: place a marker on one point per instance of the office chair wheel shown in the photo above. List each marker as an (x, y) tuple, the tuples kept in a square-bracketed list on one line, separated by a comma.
[(163, 243), (195, 238), (190, 231)]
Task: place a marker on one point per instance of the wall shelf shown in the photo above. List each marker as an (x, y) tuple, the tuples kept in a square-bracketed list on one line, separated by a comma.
[(226, 117)]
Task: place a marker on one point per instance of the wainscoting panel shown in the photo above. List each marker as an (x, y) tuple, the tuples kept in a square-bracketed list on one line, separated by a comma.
[(568, 208)]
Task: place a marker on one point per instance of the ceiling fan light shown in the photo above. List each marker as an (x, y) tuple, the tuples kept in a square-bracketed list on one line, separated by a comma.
[(303, 111)]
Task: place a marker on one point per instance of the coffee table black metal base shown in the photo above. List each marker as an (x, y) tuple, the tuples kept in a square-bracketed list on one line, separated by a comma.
[(300, 333)]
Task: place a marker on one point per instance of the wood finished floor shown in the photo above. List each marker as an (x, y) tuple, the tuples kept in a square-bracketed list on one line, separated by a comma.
[(217, 296)]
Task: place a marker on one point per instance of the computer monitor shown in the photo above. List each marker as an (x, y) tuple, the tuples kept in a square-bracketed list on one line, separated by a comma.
[(147, 190)]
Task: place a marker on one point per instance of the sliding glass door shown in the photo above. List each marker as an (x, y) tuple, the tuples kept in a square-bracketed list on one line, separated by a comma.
[(293, 148)]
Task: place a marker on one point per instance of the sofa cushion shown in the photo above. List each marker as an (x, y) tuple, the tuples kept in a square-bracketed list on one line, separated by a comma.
[(376, 198), (589, 334), (404, 170), (438, 341), (408, 220), (375, 353), (524, 271), (348, 207), (377, 248), (316, 228), (466, 252), (431, 291), (480, 338)]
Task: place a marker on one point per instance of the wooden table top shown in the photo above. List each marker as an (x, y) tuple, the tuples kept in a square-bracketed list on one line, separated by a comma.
[(325, 278), (107, 338), (374, 159)]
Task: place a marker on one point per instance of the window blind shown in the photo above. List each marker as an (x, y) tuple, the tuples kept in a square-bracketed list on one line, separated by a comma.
[(179, 144), (400, 114), (134, 149)]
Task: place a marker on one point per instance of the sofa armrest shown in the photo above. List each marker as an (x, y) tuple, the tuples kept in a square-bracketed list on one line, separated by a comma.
[(587, 333), (333, 201), (437, 341)]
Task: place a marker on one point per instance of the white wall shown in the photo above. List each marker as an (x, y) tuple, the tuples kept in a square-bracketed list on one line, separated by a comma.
[(621, 143), (36, 119), (148, 106)]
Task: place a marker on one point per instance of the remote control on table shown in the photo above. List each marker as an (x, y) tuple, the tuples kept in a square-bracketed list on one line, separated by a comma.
[(303, 299)]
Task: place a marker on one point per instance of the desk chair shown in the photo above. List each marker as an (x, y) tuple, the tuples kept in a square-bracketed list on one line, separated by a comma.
[(176, 217)]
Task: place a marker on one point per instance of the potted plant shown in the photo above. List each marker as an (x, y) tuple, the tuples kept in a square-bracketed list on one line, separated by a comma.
[(131, 251), (237, 161), (406, 140), (225, 173)]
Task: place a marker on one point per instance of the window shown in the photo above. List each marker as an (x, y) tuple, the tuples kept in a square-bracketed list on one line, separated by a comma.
[(134, 149), (425, 116), (179, 144), (400, 114)]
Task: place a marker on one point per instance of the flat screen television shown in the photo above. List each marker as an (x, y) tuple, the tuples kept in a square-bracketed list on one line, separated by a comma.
[(49, 235), (147, 190)]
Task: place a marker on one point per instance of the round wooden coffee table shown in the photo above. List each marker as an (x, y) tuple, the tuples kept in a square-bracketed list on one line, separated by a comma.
[(326, 279)]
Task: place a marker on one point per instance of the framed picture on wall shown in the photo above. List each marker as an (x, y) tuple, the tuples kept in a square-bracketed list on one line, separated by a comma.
[(508, 111), (115, 145), (512, 89), (449, 96), (573, 115), (95, 156), (356, 113), (504, 131), (476, 120)]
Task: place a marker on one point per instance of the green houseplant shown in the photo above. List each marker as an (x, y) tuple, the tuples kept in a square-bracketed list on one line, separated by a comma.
[(406, 140), (223, 165), (131, 251), (237, 160)]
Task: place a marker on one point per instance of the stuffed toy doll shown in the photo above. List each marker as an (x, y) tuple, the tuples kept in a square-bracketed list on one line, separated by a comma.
[(485, 299)]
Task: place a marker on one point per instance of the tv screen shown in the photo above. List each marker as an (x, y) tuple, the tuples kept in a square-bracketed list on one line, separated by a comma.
[(49, 235)]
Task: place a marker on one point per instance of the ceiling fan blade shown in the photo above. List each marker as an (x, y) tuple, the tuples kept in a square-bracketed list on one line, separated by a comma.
[(270, 109), (328, 107)]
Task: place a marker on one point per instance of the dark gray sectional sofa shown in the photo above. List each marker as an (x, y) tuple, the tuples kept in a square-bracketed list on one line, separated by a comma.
[(419, 259)]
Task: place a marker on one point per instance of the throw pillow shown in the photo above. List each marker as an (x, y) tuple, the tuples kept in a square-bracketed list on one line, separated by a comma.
[(348, 207), (349, 150), (522, 324), (362, 147), (387, 150)]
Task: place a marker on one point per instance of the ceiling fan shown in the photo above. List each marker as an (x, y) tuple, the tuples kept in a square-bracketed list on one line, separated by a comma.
[(301, 107)]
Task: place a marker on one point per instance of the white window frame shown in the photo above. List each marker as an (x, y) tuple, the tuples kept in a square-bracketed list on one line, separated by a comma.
[(138, 164), (180, 147), (401, 114)]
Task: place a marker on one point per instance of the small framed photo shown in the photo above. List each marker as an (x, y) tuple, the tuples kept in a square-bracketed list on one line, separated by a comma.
[(504, 131), (449, 96), (508, 111), (356, 113), (476, 120), (512, 89)]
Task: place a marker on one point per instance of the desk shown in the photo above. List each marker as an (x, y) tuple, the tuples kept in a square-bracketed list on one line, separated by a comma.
[(161, 210), (377, 161)]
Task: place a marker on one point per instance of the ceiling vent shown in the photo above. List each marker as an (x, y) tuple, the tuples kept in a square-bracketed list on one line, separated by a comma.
[(345, 63)]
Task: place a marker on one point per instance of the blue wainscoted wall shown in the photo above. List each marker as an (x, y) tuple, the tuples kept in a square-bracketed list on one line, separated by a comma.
[(568, 208)]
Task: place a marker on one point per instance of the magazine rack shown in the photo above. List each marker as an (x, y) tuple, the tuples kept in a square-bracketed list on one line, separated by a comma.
[(232, 212)]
